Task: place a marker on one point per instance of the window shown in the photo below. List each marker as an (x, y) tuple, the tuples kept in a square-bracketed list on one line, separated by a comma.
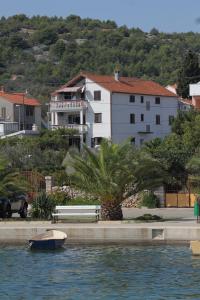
[(3, 113), (97, 95), (98, 118), (141, 142), (73, 119), (133, 141), (92, 142), (148, 105), (142, 117), (142, 99), (132, 98), (171, 120), (28, 126), (96, 141), (67, 96), (157, 100), (29, 111), (148, 129), (157, 119), (132, 118)]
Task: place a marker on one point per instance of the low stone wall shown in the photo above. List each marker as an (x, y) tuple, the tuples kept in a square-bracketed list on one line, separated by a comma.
[(102, 233)]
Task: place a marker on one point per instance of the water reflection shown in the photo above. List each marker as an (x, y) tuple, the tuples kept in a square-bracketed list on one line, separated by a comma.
[(100, 272)]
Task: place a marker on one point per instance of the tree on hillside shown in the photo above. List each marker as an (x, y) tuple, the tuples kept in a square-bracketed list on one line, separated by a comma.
[(172, 155), (189, 73)]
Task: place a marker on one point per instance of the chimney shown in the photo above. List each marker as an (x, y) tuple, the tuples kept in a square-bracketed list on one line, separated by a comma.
[(117, 75)]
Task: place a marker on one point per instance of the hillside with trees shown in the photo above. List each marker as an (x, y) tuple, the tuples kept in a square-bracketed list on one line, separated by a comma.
[(41, 53)]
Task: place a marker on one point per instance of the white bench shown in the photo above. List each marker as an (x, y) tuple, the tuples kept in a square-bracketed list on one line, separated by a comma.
[(76, 211)]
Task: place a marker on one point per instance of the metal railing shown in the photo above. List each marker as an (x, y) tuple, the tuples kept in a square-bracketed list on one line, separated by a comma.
[(80, 128), (67, 105)]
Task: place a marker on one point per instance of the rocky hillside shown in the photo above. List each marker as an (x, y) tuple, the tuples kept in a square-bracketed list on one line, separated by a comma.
[(41, 53)]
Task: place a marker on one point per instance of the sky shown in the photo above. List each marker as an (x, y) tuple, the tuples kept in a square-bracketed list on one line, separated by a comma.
[(166, 16)]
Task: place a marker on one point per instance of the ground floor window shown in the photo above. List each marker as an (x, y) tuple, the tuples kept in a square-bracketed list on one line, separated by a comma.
[(171, 120), (96, 141), (74, 142), (133, 141), (28, 126)]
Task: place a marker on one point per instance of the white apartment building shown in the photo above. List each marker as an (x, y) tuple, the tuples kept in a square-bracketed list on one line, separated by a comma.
[(113, 107)]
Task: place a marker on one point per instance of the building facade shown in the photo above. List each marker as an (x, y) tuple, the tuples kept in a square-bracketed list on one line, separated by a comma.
[(113, 107), (19, 109)]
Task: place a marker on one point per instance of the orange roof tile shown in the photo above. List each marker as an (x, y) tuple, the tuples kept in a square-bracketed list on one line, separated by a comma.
[(19, 98), (127, 85)]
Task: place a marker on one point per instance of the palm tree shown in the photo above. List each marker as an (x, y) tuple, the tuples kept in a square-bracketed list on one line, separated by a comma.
[(106, 173), (149, 173), (10, 182)]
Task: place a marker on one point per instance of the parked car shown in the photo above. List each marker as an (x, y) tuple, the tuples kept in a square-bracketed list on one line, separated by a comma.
[(17, 204), (5, 208)]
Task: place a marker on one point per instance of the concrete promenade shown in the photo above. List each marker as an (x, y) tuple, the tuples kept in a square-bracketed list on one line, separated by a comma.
[(181, 229), (166, 213)]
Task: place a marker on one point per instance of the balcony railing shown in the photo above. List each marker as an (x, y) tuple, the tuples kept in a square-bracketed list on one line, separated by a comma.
[(80, 128), (67, 105)]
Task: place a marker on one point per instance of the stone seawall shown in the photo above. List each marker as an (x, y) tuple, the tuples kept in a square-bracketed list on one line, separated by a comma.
[(103, 232)]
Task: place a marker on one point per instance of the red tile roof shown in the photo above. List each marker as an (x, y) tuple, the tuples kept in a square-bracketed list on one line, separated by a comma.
[(196, 101), (186, 101), (127, 85), (19, 98)]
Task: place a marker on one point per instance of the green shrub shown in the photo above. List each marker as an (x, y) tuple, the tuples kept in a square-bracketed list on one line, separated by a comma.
[(60, 198), (83, 201), (43, 206), (150, 200)]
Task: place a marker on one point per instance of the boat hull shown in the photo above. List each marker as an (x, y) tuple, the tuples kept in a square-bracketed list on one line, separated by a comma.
[(46, 244)]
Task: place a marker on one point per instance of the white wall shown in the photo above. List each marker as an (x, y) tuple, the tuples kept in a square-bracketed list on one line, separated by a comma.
[(103, 106), (9, 109), (194, 89), (122, 108)]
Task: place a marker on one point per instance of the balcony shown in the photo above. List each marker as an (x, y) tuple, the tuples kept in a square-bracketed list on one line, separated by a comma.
[(68, 105), (80, 128), (145, 132)]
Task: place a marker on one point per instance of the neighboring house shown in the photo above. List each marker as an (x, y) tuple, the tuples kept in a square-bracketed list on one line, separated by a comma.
[(172, 88), (183, 104), (113, 107), (195, 94), (18, 109)]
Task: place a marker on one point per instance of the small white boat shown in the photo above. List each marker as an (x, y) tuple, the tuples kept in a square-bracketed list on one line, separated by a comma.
[(195, 247), (50, 240)]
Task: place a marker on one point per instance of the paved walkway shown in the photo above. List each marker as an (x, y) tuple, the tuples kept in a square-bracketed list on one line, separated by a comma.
[(166, 213)]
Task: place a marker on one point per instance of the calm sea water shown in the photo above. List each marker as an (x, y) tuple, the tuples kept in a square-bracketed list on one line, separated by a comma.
[(100, 272)]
